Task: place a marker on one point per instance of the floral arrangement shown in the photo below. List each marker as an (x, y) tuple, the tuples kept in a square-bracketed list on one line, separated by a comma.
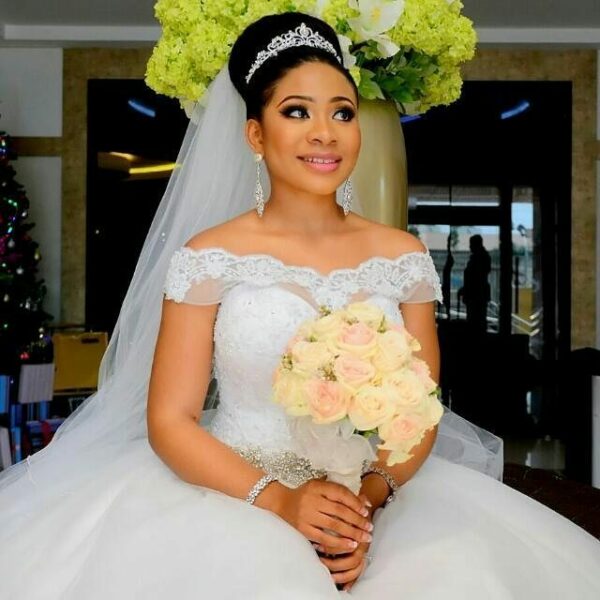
[(408, 51), (351, 368)]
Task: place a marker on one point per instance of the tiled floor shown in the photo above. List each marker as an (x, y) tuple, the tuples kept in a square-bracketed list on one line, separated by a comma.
[(534, 467)]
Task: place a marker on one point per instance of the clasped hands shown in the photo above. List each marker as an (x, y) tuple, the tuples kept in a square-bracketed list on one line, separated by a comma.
[(338, 524)]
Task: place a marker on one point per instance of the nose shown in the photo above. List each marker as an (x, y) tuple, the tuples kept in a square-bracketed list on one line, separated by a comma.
[(322, 130)]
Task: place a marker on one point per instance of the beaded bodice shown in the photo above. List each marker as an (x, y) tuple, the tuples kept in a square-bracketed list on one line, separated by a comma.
[(262, 301)]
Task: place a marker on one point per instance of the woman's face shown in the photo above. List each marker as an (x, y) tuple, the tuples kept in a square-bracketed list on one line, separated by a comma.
[(309, 133)]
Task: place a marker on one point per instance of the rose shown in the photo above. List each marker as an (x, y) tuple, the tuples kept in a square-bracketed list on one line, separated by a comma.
[(288, 390), (352, 371), (434, 410), (409, 392), (392, 352), (358, 339), (327, 400), (370, 407), (328, 326), (421, 368), (412, 341), (366, 313), (401, 434), (307, 357)]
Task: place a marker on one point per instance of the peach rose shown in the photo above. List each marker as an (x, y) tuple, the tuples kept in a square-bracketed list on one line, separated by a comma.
[(402, 429), (370, 407), (358, 339), (352, 371), (288, 390), (392, 351), (327, 400), (307, 357), (366, 313), (421, 368)]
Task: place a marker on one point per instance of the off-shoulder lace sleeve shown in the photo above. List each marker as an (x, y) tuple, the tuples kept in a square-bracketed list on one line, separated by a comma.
[(420, 281), (195, 277)]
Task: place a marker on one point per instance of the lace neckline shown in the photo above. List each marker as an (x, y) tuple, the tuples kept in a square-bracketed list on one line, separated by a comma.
[(306, 268)]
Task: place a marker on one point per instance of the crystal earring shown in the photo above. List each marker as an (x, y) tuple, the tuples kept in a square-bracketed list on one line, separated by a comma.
[(258, 191), (347, 201)]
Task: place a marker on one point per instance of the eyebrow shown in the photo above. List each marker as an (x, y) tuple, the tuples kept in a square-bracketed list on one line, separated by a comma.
[(310, 99)]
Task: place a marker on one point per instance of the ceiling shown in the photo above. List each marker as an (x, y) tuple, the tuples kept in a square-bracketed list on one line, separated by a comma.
[(88, 20)]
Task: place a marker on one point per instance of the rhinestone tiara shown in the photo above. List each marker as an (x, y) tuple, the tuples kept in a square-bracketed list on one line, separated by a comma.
[(301, 36)]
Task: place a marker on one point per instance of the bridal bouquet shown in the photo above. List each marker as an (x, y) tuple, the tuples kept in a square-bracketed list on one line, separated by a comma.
[(407, 51), (347, 375)]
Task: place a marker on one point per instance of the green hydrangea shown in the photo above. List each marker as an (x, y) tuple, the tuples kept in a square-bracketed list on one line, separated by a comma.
[(432, 35)]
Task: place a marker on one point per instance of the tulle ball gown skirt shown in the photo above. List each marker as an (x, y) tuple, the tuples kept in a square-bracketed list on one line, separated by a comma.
[(137, 531)]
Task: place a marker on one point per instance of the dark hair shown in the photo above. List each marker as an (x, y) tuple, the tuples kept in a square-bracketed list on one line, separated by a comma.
[(256, 37)]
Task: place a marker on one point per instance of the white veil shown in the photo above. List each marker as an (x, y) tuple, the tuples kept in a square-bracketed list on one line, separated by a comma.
[(213, 183)]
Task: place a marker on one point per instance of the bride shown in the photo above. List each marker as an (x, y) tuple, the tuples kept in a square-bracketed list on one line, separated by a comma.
[(148, 491)]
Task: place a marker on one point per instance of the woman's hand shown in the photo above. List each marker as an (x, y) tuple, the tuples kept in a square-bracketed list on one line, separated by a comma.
[(317, 506), (347, 567)]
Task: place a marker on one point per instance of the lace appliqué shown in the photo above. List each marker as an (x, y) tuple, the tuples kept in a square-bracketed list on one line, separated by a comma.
[(392, 277)]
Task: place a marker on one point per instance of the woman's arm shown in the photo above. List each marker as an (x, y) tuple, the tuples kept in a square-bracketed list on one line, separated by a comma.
[(178, 384), (419, 320)]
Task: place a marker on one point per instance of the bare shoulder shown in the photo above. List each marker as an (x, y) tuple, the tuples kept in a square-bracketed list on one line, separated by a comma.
[(224, 235), (386, 240)]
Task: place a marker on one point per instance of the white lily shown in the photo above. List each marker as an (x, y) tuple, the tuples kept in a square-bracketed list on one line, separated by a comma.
[(318, 10), (376, 17), (348, 58)]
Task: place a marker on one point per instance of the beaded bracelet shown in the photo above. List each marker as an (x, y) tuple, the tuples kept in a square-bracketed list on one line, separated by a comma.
[(388, 479), (259, 486)]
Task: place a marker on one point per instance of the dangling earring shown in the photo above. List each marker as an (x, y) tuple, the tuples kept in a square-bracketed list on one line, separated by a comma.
[(347, 201), (258, 191)]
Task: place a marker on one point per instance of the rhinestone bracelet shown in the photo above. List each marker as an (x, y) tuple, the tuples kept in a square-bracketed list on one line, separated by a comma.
[(388, 479), (259, 486)]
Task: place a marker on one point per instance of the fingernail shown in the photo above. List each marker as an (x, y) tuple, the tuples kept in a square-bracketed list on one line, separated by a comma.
[(353, 544), (370, 526), (368, 503), (367, 537), (364, 512)]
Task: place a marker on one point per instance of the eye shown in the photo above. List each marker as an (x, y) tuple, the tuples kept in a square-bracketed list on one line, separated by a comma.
[(345, 114), (295, 112)]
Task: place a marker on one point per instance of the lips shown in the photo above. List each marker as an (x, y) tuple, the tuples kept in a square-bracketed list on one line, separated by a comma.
[(321, 162)]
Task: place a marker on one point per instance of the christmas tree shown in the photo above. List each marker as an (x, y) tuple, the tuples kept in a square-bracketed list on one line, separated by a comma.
[(23, 322)]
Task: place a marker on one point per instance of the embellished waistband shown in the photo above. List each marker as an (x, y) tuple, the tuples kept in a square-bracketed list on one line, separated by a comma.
[(291, 470)]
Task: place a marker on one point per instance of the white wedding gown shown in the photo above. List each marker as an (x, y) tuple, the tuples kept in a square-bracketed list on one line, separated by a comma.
[(137, 531)]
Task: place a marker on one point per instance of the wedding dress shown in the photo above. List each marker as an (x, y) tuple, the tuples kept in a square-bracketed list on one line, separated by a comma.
[(136, 531)]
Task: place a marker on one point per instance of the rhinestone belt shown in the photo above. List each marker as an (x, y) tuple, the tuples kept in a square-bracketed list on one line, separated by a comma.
[(291, 470)]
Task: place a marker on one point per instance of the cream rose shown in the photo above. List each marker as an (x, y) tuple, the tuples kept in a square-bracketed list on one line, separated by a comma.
[(328, 326), (307, 357), (412, 341), (392, 351), (327, 400), (288, 390), (370, 407), (358, 339), (409, 392), (352, 371), (366, 313)]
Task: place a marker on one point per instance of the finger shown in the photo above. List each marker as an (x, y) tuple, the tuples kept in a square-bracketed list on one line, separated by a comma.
[(335, 509), (365, 500), (324, 539), (348, 576), (342, 528), (339, 493), (343, 563)]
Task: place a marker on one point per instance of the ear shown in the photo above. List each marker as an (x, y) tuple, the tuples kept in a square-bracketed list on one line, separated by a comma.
[(254, 136)]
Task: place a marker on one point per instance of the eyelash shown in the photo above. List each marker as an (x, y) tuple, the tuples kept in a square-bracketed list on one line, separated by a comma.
[(288, 110)]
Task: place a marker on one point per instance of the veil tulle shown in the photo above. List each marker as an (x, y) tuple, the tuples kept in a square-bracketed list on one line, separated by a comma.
[(213, 183)]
